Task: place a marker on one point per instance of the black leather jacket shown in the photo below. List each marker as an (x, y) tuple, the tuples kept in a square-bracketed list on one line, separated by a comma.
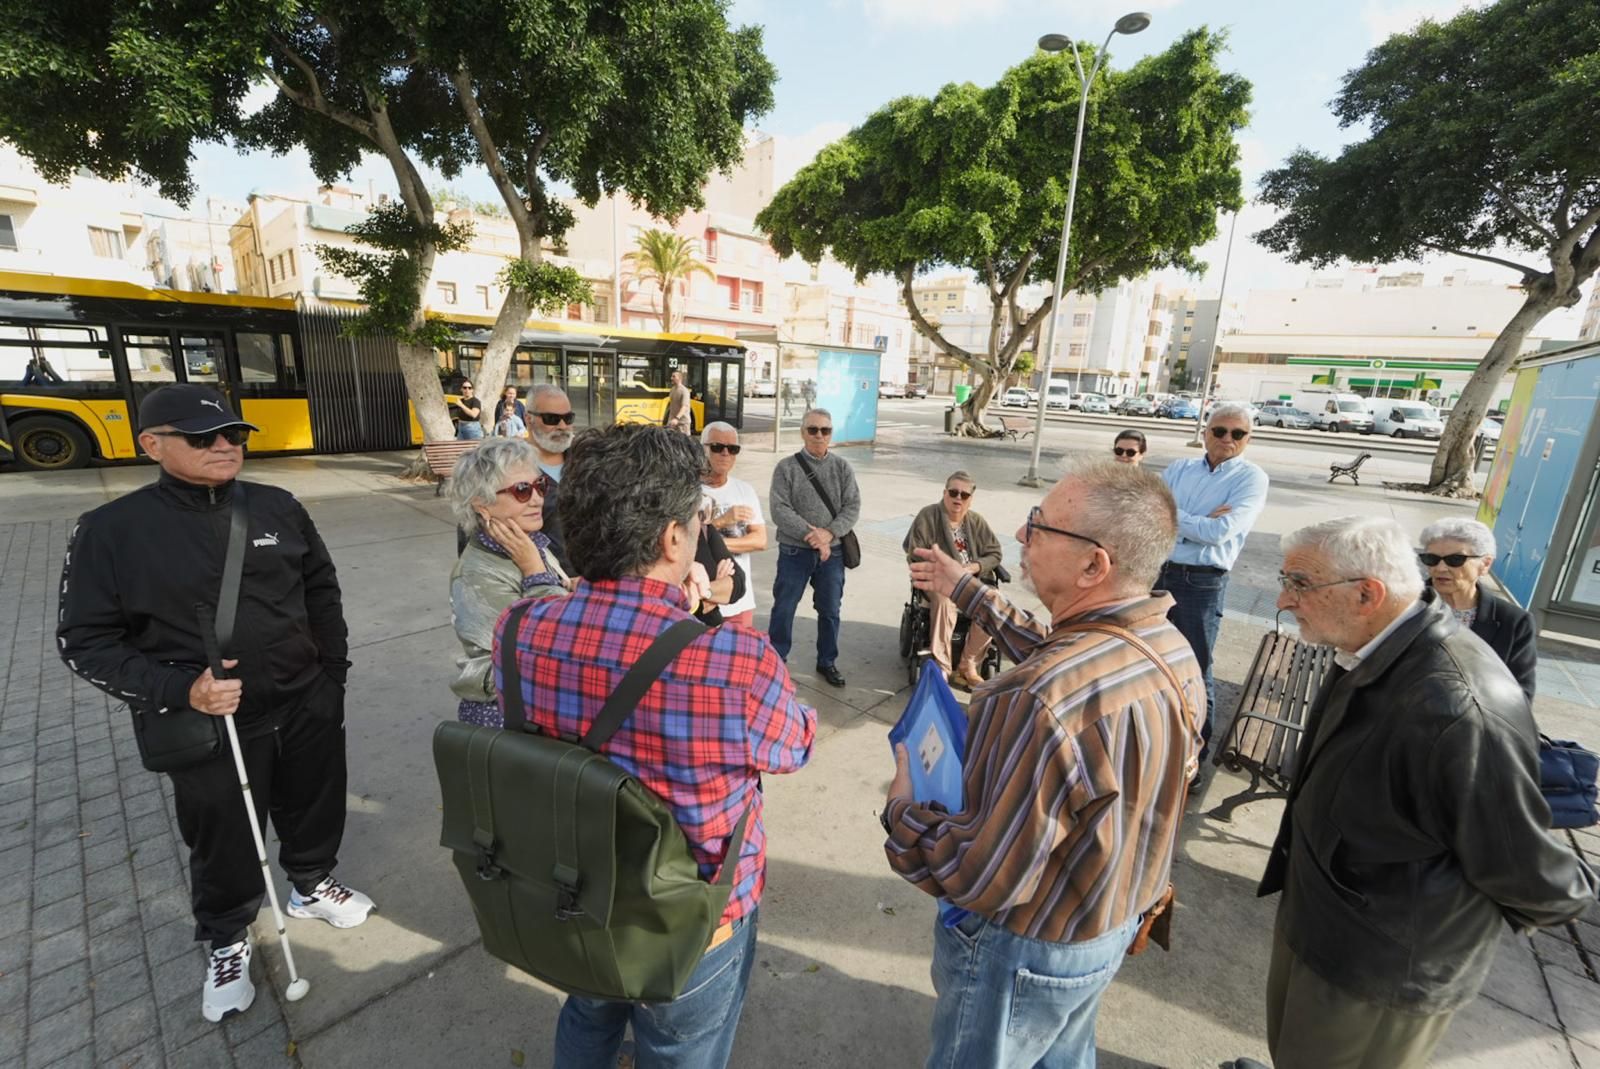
[(1415, 826)]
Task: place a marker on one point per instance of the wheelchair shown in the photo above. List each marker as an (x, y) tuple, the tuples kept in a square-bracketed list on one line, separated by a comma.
[(916, 631)]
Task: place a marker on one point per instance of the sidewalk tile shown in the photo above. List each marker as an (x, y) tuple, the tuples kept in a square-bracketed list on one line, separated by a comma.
[(206, 1052), (1579, 1003), (58, 1035), (125, 1027)]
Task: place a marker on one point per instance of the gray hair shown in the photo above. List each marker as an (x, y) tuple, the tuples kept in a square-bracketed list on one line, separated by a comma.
[(1130, 511), (718, 427), (1229, 408), (1477, 537), (481, 473), (1371, 547), (808, 413), (545, 389), (959, 476)]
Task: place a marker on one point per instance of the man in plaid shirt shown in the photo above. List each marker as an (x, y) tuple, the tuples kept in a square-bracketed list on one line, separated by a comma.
[(721, 714)]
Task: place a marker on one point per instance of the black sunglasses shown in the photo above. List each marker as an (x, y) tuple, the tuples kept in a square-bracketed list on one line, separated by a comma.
[(523, 492), (724, 447), (466, 385), (958, 495), (1455, 560), (550, 419), (1121, 452), (206, 439), (1223, 432), (1033, 525), (821, 432)]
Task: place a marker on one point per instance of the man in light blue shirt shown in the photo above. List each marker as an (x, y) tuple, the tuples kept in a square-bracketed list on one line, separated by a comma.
[(1220, 496)]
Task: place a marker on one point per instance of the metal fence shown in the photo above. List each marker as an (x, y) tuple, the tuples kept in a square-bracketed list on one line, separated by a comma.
[(356, 392)]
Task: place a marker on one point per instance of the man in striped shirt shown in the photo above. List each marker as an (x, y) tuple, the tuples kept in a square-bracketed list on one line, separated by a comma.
[(1074, 778)]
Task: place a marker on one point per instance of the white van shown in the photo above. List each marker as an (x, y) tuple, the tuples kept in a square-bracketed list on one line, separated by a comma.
[(1335, 411), (1405, 419), (1058, 395)]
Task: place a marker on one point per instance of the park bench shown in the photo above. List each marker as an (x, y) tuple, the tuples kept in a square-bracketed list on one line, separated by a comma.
[(1349, 467), (1268, 728), (442, 457), (1016, 427)]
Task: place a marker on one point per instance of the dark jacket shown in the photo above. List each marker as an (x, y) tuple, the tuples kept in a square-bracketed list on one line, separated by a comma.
[(932, 527), (138, 566), (1415, 827), (711, 551), (1509, 631)]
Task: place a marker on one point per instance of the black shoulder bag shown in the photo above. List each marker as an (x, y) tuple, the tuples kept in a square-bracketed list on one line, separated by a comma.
[(849, 545), (182, 738)]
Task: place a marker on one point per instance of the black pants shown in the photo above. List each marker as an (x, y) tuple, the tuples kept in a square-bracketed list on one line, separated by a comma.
[(297, 776)]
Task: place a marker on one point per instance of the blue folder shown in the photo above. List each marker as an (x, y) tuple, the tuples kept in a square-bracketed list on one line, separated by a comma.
[(934, 730)]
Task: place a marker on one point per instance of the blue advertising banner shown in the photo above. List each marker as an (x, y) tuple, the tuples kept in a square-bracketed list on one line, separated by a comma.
[(847, 386)]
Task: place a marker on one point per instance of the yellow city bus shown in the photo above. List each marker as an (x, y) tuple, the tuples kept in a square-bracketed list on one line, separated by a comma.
[(78, 355)]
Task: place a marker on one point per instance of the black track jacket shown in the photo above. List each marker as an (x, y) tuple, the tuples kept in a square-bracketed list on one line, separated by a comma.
[(138, 566)]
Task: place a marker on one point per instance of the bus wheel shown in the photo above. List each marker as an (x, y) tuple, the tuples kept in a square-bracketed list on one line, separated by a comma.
[(45, 443)]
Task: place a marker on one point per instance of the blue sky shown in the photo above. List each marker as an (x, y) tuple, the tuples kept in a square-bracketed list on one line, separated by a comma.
[(838, 60)]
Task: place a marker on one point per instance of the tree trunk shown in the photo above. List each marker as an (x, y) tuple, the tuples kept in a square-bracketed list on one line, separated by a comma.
[(972, 410), (666, 306), (419, 367), (1451, 475), (507, 332)]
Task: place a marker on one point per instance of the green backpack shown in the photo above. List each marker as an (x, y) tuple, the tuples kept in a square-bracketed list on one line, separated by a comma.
[(578, 874)]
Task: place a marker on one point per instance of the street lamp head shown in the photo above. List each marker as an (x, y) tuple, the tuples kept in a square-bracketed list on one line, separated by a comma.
[(1133, 22), (1055, 42)]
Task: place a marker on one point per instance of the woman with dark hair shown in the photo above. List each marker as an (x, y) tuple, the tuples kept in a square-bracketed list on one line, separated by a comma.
[(1455, 553), (1129, 447)]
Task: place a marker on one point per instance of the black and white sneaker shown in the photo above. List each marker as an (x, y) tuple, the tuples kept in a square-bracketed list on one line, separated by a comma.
[(331, 901), (228, 989)]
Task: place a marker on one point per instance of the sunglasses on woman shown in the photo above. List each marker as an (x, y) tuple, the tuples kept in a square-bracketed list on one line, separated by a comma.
[(1239, 434), (523, 491), (1121, 452), (550, 419), (724, 447), (1454, 560), (206, 439), (957, 495)]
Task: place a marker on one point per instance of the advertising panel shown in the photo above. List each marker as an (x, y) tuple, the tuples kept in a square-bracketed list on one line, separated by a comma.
[(847, 386)]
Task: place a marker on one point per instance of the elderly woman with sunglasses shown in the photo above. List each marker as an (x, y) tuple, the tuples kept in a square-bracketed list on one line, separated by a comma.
[(1455, 554), (495, 495), (950, 524), (1129, 447)]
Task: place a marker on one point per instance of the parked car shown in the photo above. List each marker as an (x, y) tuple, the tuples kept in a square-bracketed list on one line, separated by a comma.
[(1057, 396), (1211, 407), (1178, 408), (891, 389), (1335, 411), (1136, 406), (1016, 397), (763, 389), (1033, 395), (1281, 414), (1406, 419), (916, 389), (1093, 402)]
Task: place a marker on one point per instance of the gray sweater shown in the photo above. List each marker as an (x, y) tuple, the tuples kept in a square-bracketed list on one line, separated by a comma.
[(796, 506)]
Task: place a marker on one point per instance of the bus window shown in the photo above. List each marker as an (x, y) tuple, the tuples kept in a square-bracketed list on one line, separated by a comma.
[(291, 368), (88, 362), (258, 362), (149, 357), (202, 357)]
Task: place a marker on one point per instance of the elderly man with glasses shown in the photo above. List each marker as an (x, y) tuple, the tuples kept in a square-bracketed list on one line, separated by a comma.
[(736, 513), (1415, 831), (1074, 776), (815, 503), (1220, 496), (965, 537)]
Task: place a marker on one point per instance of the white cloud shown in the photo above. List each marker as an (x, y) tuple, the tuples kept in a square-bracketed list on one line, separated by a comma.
[(1384, 18), (790, 152)]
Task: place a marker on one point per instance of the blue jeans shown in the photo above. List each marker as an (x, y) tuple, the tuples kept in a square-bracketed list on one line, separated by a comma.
[(797, 566), (1006, 1001), (468, 429), (693, 1031), (1197, 614)]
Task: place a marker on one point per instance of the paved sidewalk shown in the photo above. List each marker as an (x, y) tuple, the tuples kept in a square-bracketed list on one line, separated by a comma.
[(96, 881)]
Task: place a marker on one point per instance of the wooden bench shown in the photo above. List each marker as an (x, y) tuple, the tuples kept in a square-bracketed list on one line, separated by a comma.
[(1349, 467), (442, 457), (1267, 730), (1015, 427)]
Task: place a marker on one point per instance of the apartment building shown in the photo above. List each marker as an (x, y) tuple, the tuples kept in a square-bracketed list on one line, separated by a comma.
[(192, 252), (88, 228), (1591, 315), (820, 314)]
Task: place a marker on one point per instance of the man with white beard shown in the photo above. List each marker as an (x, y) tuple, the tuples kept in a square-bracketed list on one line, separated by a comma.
[(550, 419)]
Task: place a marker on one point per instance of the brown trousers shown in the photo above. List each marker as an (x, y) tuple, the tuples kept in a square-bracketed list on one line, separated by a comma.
[(942, 625)]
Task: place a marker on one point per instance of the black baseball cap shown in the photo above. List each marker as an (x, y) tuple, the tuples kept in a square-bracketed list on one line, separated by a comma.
[(188, 407)]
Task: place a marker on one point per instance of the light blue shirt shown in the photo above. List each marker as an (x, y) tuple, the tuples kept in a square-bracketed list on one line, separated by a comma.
[(1200, 490), (552, 470)]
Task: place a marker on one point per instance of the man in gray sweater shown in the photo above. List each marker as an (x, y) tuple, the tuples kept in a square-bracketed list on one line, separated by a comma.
[(809, 531)]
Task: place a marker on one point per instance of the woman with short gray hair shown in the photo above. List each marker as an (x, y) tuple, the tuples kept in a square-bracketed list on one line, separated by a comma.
[(497, 494), (1455, 553)]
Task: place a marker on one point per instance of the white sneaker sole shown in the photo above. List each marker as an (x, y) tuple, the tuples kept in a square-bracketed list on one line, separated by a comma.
[(302, 913), (216, 1015)]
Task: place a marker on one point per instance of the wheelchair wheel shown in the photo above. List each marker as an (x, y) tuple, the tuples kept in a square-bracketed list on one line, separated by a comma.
[(991, 662), (914, 668), (908, 627)]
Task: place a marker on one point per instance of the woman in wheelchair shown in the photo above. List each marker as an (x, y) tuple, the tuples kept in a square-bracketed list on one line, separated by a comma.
[(930, 624)]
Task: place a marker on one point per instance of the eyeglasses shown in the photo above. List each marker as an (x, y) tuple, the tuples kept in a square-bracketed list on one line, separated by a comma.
[(1454, 560), (820, 432), (957, 495), (523, 492), (206, 439), (1033, 525), (1239, 435), (1298, 585), (550, 419), (1124, 452), (466, 385), (724, 447)]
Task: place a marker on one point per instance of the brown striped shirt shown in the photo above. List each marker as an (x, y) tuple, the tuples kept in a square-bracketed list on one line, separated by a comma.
[(1077, 766)]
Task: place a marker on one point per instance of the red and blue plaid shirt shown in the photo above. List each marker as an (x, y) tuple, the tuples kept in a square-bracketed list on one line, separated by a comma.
[(722, 713)]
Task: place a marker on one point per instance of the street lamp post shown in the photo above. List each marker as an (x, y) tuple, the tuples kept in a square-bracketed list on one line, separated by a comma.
[(1216, 341), (1131, 23)]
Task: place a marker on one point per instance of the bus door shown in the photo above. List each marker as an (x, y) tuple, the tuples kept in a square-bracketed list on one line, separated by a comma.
[(591, 385), (724, 391)]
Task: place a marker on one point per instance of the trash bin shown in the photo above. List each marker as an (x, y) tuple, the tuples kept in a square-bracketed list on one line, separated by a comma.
[(950, 420), (962, 393)]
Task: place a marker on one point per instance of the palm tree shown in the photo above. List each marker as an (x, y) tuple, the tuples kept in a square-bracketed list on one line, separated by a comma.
[(666, 258)]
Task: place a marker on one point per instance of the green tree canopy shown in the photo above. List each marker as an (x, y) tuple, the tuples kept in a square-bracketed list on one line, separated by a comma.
[(976, 178), (1484, 136)]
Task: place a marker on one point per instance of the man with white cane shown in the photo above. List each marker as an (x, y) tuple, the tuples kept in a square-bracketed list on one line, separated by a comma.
[(159, 585)]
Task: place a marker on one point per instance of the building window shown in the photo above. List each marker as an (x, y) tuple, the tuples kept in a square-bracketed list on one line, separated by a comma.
[(602, 310), (1080, 319), (1075, 349), (272, 270), (8, 233), (447, 292), (711, 245), (575, 310), (483, 295), (107, 243)]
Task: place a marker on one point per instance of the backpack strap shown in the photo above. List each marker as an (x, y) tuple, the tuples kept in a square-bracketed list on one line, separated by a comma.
[(514, 715), (640, 678), (1143, 647)]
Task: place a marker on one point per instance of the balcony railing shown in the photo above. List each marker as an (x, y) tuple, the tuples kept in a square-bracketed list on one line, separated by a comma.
[(748, 304)]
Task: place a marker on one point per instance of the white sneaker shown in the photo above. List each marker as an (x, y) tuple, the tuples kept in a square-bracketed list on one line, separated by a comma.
[(228, 989), (331, 901)]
